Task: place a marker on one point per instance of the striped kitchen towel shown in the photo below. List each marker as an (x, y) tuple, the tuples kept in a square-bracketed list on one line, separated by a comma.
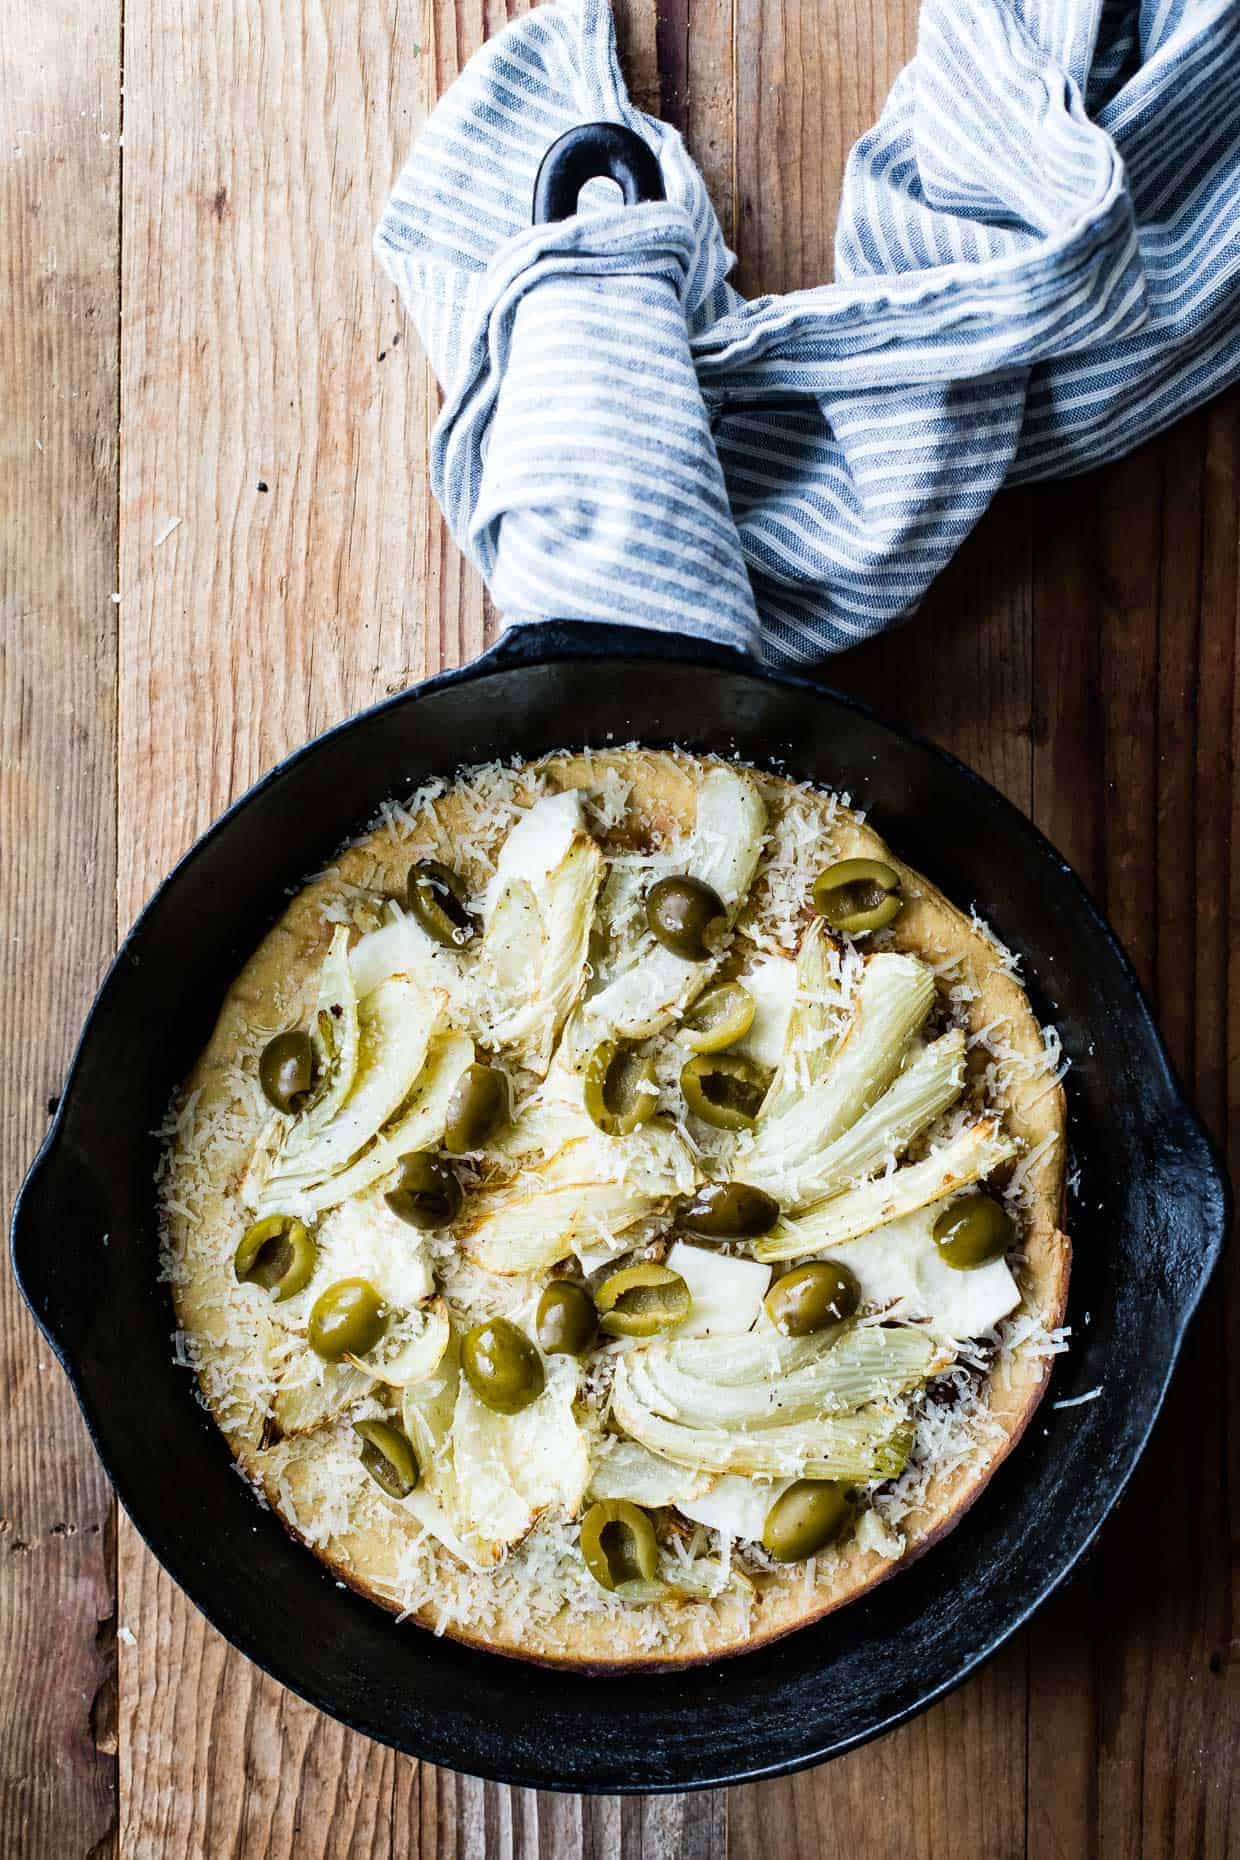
[(1037, 266)]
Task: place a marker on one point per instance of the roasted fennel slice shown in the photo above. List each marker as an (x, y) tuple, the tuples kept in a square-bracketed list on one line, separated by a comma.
[(311, 1392), (872, 1443), (427, 1409), (823, 1407), (646, 985), (626, 1470), (968, 1157), (812, 1033), (412, 1353), (832, 1372), (400, 946), (395, 1024), (594, 1186), (334, 1032), (537, 936), (417, 1125), (929, 1086), (507, 1469), (486, 1477), (894, 996)]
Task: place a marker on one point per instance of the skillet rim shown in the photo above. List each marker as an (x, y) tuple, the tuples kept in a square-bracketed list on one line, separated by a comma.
[(549, 643)]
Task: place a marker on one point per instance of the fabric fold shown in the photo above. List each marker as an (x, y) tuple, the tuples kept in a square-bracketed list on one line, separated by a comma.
[(1037, 266), (599, 484)]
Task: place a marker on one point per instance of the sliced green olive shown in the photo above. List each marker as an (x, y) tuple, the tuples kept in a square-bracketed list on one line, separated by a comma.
[(566, 1320), (502, 1366), (730, 1211), (427, 1193), (388, 1457), (640, 1301), (806, 1518), (278, 1254), (682, 913), (478, 1104), (347, 1320), (810, 1297), (618, 1543), (858, 894), (286, 1069), (725, 1089), (973, 1231), (619, 1088), (437, 897), (720, 1018)]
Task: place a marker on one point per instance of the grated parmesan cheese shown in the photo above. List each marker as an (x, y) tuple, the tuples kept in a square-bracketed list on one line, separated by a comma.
[(239, 1345)]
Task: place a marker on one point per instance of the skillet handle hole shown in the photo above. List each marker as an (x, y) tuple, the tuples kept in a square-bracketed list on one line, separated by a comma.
[(590, 152)]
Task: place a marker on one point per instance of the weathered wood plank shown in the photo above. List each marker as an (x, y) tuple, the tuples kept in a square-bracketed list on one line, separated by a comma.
[(59, 122), (1169, 1730), (1217, 1027), (1134, 1720), (269, 405), (809, 79)]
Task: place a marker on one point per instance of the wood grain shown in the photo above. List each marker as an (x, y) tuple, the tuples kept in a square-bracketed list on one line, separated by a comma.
[(59, 121), (268, 403), (1081, 652)]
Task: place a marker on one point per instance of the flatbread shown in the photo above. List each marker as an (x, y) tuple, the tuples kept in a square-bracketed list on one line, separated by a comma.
[(375, 1546)]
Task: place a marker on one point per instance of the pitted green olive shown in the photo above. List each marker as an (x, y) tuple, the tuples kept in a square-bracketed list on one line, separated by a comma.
[(427, 1193), (347, 1320), (724, 1089), (619, 1089), (730, 1211), (437, 897), (973, 1231), (566, 1320), (806, 1518), (502, 1366), (682, 913), (810, 1297), (618, 1543), (720, 1018), (278, 1254), (640, 1301), (478, 1104), (388, 1457), (858, 894), (286, 1070)]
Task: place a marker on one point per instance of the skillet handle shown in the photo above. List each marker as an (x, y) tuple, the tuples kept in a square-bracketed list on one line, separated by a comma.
[(1192, 1197), (588, 152), (546, 642), (59, 1242), (591, 152)]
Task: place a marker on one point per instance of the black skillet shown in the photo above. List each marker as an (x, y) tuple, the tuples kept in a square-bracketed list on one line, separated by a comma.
[(1148, 1218)]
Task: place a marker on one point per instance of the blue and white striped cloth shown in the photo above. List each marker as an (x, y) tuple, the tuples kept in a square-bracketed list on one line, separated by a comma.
[(1037, 266)]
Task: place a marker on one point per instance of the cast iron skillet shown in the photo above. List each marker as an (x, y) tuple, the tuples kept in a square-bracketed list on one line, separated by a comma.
[(1148, 1220)]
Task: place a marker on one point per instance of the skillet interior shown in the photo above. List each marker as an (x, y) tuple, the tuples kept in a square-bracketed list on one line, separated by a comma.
[(1149, 1222)]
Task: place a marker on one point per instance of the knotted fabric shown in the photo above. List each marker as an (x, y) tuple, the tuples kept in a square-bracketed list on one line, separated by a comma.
[(1037, 265)]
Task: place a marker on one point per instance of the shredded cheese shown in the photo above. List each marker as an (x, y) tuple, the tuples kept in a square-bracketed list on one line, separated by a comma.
[(239, 1345)]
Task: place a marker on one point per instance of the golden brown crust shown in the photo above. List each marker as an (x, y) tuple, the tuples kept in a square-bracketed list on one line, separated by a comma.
[(274, 988)]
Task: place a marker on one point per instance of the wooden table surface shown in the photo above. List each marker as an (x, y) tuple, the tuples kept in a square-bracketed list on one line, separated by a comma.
[(192, 333)]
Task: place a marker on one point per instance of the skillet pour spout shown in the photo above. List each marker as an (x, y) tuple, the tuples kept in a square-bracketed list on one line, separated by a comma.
[(1148, 1225)]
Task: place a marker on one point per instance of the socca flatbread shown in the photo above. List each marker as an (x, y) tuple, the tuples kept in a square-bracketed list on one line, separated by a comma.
[(487, 1548)]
